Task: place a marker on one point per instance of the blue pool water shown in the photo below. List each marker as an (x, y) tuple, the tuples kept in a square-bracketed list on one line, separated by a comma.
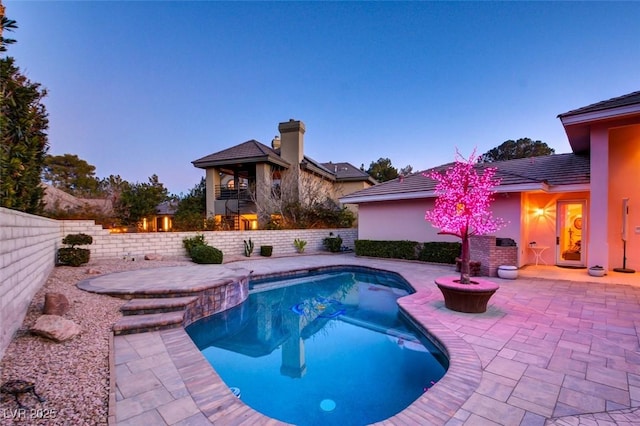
[(322, 349)]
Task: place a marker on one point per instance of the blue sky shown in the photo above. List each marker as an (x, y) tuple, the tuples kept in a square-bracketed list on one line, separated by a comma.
[(137, 88)]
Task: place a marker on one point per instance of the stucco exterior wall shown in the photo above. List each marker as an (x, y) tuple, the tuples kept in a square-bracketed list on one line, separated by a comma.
[(624, 175), (27, 254), (404, 220)]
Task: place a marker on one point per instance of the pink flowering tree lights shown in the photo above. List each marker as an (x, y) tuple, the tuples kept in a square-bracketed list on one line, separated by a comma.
[(462, 206)]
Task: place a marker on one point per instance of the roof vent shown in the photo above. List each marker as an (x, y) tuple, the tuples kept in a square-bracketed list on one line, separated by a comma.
[(275, 143)]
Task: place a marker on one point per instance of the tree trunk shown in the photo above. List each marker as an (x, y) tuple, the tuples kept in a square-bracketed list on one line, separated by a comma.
[(464, 262)]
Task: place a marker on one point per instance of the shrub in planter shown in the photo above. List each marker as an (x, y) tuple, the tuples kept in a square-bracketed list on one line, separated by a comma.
[(206, 254), (333, 244), (266, 250), (74, 256)]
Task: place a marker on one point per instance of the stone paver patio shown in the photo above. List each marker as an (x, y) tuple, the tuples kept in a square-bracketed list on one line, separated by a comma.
[(554, 347)]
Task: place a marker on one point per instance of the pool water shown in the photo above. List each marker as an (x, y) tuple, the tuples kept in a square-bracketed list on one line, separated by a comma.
[(322, 349)]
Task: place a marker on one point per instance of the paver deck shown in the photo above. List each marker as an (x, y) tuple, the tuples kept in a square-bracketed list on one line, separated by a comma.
[(555, 347)]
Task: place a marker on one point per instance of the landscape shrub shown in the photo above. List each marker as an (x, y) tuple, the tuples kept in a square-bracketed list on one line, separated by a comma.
[(192, 242), (388, 249), (75, 256), (440, 252), (206, 254), (435, 251), (333, 244)]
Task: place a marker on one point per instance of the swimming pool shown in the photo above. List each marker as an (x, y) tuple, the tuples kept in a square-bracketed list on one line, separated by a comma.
[(323, 348)]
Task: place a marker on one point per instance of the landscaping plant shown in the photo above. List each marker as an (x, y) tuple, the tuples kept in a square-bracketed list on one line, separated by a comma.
[(72, 255), (299, 245)]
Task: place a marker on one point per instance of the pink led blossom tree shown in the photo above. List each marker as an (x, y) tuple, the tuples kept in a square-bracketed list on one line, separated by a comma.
[(462, 207)]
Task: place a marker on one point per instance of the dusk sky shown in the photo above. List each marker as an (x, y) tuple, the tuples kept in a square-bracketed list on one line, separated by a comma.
[(137, 88)]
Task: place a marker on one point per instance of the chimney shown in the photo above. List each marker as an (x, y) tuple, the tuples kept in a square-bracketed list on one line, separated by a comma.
[(275, 142), (292, 141)]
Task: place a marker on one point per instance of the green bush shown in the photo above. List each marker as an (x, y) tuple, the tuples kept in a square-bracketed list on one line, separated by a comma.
[(388, 249), (72, 256), (440, 252), (266, 251), (190, 243), (333, 244), (206, 254), (436, 252), (77, 240)]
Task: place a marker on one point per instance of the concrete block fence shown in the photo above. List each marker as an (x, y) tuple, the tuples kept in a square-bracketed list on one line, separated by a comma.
[(28, 246)]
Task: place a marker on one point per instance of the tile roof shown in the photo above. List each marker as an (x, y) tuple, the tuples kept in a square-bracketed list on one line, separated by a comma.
[(250, 151), (348, 172), (551, 170), (620, 101), (253, 151)]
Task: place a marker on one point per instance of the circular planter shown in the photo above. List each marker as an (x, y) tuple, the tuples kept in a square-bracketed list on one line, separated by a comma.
[(469, 298), (508, 272), (596, 272)]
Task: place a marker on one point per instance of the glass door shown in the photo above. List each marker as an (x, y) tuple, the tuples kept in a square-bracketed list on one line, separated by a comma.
[(570, 250)]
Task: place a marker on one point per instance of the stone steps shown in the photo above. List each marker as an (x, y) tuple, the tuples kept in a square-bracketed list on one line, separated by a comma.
[(131, 324), (151, 314), (156, 305)]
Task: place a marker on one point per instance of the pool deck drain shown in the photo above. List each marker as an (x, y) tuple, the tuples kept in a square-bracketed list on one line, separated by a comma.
[(554, 351)]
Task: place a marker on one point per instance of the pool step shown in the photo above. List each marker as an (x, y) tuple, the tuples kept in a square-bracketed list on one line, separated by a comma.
[(156, 305), (131, 324)]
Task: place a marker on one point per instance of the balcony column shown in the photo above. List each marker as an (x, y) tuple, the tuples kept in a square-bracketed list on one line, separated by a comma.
[(212, 181)]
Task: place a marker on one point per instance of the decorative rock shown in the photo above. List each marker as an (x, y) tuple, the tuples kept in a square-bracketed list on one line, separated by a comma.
[(55, 328), (55, 304), (92, 271), (152, 256)]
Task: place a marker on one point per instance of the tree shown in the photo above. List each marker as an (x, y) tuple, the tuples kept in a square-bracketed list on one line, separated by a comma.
[(139, 200), (192, 209), (299, 200), (462, 206), (382, 170), (522, 148), (6, 24), (71, 174), (23, 138)]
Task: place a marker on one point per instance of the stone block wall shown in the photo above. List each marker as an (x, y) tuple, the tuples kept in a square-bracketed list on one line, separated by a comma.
[(484, 250), (106, 245), (28, 247)]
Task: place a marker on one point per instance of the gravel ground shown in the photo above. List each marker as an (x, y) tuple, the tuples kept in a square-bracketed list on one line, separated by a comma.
[(72, 376)]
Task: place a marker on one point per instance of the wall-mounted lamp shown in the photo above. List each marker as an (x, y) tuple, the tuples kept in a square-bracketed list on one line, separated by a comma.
[(540, 212)]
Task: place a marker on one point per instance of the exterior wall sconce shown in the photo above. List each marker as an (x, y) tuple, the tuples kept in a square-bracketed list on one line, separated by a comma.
[(540, 212)]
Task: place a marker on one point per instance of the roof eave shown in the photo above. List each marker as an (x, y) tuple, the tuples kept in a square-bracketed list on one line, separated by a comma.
[(569, 119), (203, 164), (528, 187)]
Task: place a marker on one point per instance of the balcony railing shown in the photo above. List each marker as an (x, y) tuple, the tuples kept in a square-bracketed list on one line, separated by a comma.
[(224, 193)]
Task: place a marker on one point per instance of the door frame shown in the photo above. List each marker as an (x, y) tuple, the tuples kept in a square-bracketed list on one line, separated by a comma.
[(560, 226)]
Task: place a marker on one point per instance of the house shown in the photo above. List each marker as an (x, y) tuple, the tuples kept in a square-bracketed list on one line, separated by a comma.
[(241, 179), (576, 210)]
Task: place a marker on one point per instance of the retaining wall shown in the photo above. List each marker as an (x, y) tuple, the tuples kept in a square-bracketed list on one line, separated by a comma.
[(28, 246)]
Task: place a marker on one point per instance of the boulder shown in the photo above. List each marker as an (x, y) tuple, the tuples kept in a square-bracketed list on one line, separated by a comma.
[(56, 328), (92, 271), (152, 256), (55, 304)]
